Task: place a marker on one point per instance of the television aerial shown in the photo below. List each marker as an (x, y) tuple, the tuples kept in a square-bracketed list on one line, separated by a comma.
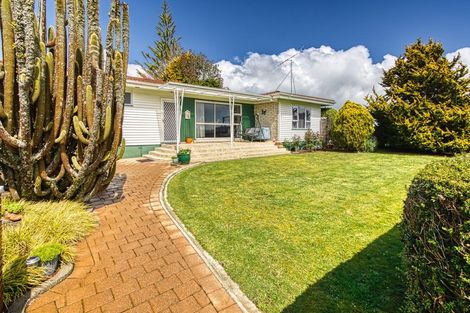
[(290, 73)]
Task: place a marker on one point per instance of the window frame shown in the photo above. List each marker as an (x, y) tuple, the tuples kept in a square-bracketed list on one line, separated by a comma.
[(131, 95), (215, 124), (296, 118)]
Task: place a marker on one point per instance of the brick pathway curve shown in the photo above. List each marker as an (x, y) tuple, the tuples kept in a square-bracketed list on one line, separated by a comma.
[(137, 260)]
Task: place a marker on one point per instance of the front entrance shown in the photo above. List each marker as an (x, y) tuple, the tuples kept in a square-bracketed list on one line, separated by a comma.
[(169, 121), (213, 120)]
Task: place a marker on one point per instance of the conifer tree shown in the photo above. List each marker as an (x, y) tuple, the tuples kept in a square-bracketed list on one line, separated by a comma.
[(426, 105), (165, 48)]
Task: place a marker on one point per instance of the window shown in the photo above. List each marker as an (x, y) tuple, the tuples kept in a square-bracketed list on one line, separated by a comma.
[(213, 120), (127, 98), (301, 117)]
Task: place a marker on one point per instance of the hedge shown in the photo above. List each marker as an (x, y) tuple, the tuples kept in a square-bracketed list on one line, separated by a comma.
[(436, 234)]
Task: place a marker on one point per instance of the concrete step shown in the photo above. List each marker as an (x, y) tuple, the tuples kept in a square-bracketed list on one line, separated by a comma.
[(211, 157), (218, 151)]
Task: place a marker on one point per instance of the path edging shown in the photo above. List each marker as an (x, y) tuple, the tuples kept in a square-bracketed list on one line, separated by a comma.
[(245, 304), (21, 304)]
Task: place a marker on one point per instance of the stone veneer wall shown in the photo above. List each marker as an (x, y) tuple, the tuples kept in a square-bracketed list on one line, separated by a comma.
[(270, 119)]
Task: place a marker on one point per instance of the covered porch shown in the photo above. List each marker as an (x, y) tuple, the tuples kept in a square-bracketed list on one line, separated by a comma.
[(206, 115)]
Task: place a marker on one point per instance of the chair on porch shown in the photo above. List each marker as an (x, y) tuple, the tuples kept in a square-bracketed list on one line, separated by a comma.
[(257, 133)]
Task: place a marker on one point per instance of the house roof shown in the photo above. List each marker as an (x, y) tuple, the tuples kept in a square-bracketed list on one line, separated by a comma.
[(299, 97), (223, 93), (145, 80)]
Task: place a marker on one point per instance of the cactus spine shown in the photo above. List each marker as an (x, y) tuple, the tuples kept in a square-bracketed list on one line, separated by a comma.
[(62, 97)]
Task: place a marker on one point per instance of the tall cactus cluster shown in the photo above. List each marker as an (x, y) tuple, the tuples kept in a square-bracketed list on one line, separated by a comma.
[(62, 97)]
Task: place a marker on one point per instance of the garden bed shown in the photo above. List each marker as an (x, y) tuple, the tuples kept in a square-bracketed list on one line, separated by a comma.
[(46, 230)]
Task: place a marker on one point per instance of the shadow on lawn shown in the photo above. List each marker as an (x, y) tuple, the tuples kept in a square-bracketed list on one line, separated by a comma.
[(369, 282)]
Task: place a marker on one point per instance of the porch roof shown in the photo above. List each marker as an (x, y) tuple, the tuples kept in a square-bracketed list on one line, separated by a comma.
[(215, 92), (298, 97)]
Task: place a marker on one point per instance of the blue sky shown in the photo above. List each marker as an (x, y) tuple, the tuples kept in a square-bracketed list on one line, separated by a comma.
[(229, 29), (347, 44)]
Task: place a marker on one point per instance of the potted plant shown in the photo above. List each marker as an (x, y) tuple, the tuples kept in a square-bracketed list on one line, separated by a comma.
[(174, 160), (184, 156), (49, 254), (12, 210), (189, 139)]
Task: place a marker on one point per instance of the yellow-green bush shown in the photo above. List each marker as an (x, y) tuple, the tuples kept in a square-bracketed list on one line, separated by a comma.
[(63, 223), (436, 233), (352, 127), (426, 102)]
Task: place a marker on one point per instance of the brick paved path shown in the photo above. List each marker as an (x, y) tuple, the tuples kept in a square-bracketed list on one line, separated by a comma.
[(137, 260)]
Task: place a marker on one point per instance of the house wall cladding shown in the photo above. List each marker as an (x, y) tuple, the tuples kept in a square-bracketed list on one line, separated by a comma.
[(285, 123), (269, 116), (142, 119)]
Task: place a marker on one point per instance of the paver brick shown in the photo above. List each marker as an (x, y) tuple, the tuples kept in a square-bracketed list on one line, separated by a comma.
[(97, 300), (220, 299), (137, 260), (188, 305), (163, 301), (144, 294), (168, 283)]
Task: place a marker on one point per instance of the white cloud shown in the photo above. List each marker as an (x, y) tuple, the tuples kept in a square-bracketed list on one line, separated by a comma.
[(464, 55), (341, 75), (337, 74), (134, 69)]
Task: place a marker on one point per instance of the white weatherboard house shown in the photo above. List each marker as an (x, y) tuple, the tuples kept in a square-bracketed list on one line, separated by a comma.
[(159, 114)]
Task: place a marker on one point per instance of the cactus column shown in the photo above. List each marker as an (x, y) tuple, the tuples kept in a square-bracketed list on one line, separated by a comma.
[(62, 98)]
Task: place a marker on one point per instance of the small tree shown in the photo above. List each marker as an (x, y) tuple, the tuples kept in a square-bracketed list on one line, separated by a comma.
[(426, 105), (165, 48), (193, 69), (352, 127)]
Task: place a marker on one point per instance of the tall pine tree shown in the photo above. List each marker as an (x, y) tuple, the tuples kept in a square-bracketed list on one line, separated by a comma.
[(165, 48), (426, 105)]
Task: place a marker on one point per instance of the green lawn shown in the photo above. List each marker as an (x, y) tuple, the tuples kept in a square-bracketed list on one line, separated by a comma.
[(304, 233)]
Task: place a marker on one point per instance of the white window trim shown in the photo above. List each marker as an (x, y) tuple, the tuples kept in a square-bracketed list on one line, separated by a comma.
[(298, 116), (196, 123)]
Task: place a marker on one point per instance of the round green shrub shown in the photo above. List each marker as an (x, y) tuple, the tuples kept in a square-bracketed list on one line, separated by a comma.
[(12, 206), (48, 252), (352, 127), (436, 234)]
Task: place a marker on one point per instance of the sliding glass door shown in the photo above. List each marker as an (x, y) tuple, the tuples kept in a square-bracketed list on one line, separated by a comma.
[(213, 120)]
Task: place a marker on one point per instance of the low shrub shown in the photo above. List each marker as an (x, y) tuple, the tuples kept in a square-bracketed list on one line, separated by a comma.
[(11, 206), (436, 234), (287, 144), (370, 145), (352, 127), (48, 252), (64, 223), (297, 143), (312, 140)]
